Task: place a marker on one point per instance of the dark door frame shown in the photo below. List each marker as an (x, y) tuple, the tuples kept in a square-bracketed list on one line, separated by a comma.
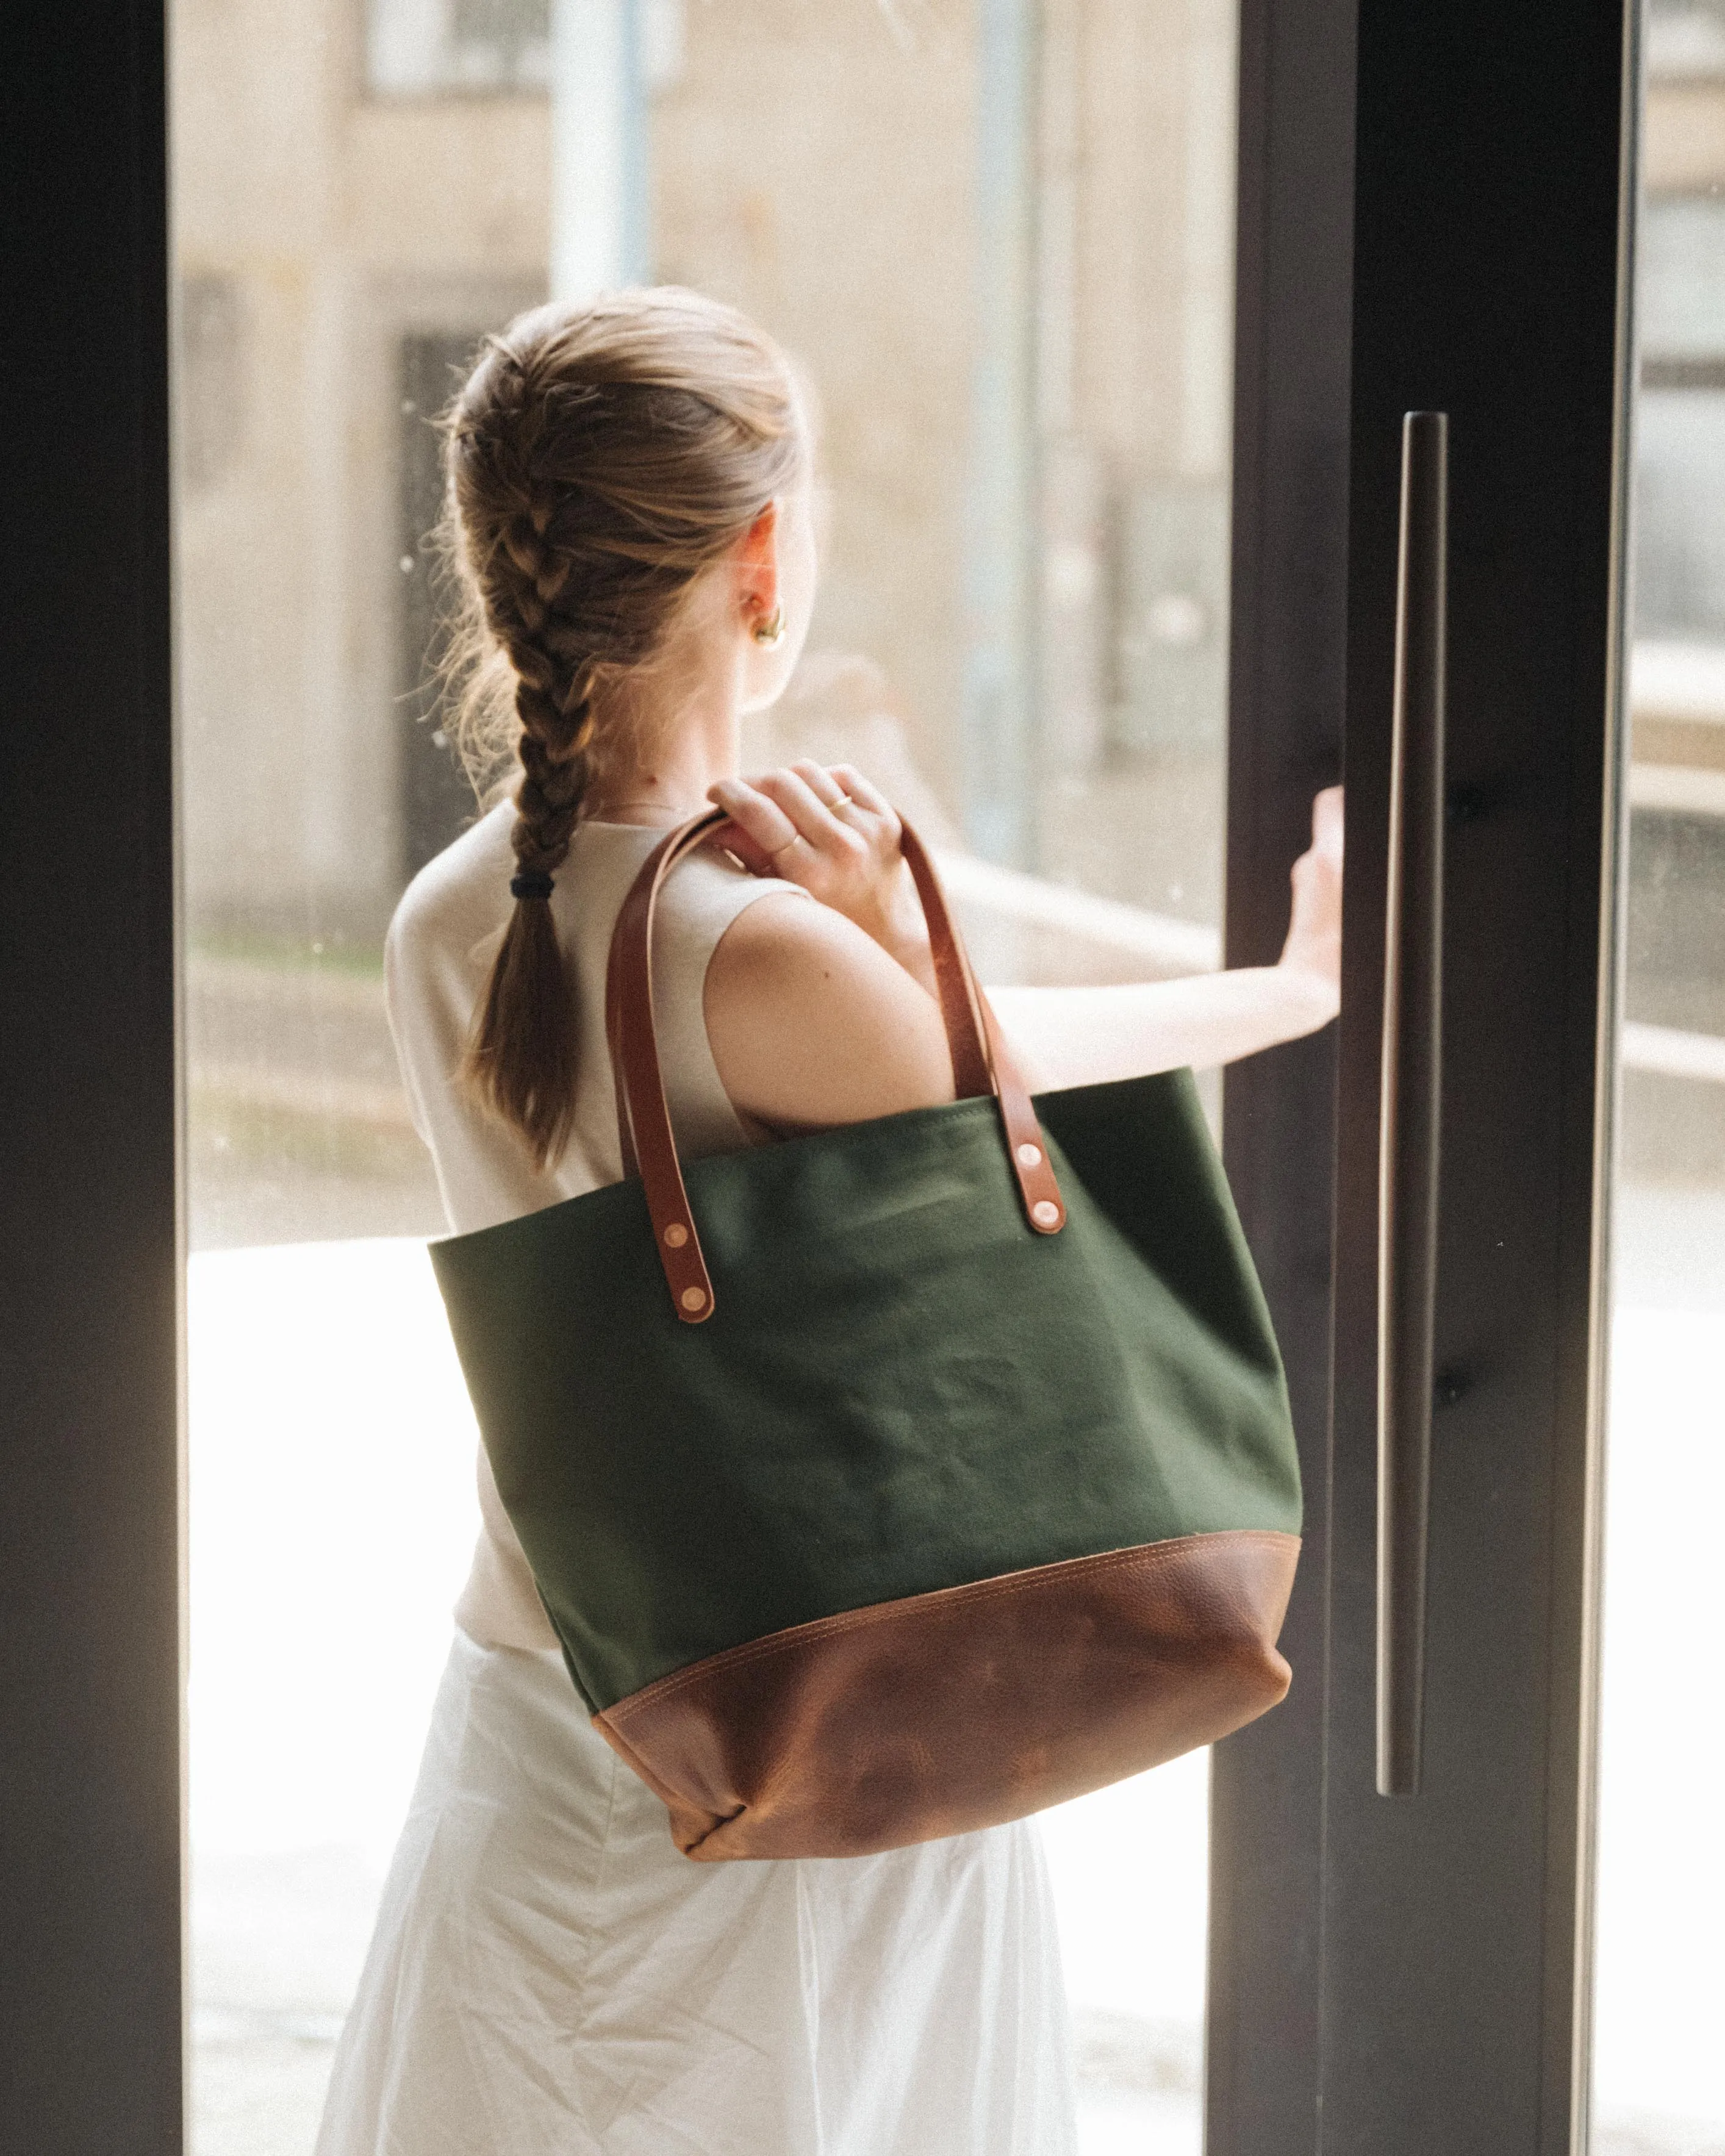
[(1287, 693), (1413, 1973), (90, 1259)]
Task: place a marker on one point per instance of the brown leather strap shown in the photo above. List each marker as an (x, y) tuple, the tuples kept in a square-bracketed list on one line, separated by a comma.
[(981, 1064), (1025, 1143), (951, 974), (643, 1127)]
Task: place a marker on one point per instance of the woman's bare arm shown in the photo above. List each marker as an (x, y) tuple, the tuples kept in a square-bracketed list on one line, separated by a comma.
[(1087, 1036), (820, 1015)]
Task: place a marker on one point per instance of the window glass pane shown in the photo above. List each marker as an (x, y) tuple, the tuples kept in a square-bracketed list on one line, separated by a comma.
[(1659, 2066), (998, 240), (1686, 40), (415, 48)]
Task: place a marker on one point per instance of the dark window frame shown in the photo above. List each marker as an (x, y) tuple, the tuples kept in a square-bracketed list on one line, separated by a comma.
[(1423, 1981), (92, 1259)]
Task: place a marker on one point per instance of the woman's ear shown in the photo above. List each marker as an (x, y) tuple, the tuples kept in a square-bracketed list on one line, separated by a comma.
[(757, 556)]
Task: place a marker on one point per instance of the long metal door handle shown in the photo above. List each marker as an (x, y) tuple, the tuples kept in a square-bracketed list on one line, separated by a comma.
[(1407, 1155)]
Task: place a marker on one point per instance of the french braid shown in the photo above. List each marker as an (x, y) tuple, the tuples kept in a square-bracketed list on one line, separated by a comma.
[(599, 458)]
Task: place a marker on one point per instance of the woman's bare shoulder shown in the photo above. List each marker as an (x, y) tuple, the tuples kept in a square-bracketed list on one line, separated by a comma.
[(812, 1024)]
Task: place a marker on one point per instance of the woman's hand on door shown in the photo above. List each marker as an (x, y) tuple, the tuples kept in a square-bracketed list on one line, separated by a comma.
[(1314, 939)]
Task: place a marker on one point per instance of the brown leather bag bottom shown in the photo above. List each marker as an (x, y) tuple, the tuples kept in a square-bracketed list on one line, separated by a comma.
[(943, 1712)]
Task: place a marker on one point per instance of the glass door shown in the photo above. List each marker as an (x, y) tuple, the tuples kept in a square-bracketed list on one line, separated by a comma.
[(998, 240), (1659, 2071)]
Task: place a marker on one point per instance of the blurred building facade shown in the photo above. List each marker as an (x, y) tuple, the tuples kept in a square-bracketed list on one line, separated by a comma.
[(1674, 1126), (363, 190)]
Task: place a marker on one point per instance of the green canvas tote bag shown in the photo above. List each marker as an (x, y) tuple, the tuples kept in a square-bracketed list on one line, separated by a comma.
[(901, 1479)]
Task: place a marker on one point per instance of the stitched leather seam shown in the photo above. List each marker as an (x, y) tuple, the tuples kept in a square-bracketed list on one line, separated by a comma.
[(1146, 1555)]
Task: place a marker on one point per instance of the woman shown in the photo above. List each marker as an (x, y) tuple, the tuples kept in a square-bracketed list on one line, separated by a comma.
[(630, 496)]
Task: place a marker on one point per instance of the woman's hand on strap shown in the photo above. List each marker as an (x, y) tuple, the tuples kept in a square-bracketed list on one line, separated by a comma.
[(831, 832)]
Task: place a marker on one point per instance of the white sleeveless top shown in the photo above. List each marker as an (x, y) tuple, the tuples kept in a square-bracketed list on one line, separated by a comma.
[(437, 960)]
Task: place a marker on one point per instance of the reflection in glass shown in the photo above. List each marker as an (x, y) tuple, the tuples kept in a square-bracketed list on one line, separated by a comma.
[(999, 238)]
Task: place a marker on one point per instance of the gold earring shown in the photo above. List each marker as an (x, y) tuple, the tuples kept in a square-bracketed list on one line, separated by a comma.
[(770, 630)]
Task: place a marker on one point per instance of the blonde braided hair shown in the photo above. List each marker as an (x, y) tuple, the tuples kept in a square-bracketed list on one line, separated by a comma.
[(598, 459)]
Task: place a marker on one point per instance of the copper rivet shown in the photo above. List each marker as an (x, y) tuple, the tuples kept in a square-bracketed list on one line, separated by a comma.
[(1045, 1213), (1029, 1156), (694, 1298), (676, 1234)]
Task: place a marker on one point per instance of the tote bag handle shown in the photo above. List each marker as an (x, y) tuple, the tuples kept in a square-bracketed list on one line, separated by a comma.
[(981, 1064)]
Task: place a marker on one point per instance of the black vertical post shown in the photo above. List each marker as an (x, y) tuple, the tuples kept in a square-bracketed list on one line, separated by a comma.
[(90, 1927)]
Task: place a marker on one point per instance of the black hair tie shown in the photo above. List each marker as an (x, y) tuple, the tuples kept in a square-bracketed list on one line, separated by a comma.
[(531, 883)]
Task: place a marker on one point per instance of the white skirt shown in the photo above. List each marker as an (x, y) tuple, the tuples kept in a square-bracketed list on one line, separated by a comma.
[(549, 1977)]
